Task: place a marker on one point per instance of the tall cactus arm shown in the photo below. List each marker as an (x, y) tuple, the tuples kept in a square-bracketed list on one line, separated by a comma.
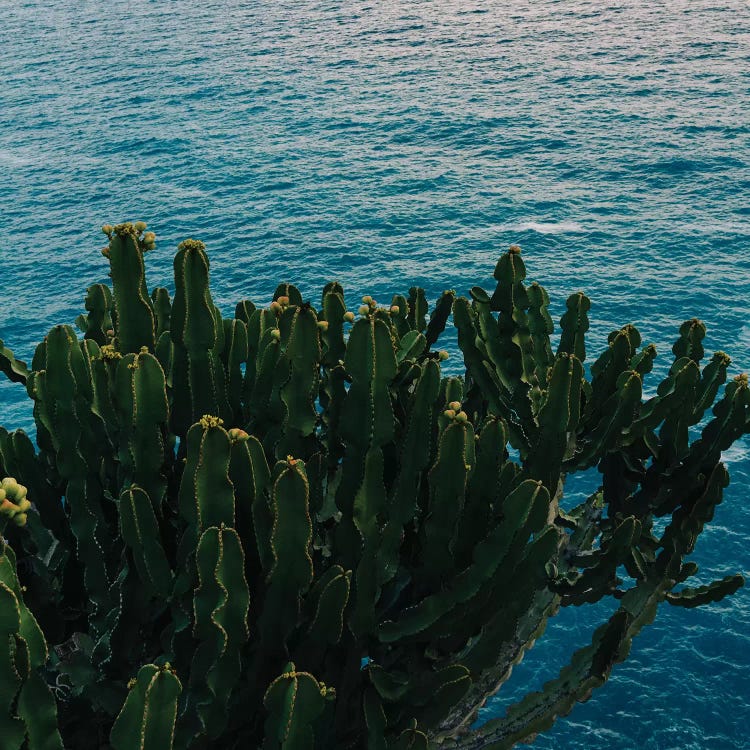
[(97, 325), (135, 322), (298, 393), (574, 324), (233, 356), (448, 478), (617, 414), (713, 592), (220, 604), (140, 532), (243, 310), (198, 378), (689, 344), (251, 478), (14, 369), (367, 417), (291, 538), (140, 397), (439, 316), (147, 719), (417, 309), (290, 292), (510, 292), (293, 701), (333, 312), (23, 650), (206, 495), (415, 456), (558, 419), (162, 310), (607, 370), (713, 376)]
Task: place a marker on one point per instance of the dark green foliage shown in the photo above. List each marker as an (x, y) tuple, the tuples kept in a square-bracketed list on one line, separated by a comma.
[(288, 529)]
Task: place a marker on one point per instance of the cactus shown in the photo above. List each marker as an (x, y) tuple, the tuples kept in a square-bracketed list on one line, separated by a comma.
[(147, 719), (330, 543), (14, 369)]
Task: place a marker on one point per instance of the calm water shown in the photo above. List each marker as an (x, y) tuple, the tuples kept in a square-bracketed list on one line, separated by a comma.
[(390, 143)]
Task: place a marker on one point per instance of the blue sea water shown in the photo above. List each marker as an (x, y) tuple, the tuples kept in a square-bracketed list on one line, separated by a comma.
[(392, 143)]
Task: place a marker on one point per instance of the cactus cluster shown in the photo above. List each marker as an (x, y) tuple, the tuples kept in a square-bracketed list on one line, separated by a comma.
[(289, 529)]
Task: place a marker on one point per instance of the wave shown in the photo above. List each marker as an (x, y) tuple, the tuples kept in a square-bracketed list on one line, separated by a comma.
[(549, 227)]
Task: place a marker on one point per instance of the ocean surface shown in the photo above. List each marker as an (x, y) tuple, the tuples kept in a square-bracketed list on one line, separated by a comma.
[(387, 144)]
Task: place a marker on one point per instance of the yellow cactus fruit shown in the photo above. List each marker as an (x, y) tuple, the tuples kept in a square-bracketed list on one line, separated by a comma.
[(9, 484), (236, 435), (349, 316)]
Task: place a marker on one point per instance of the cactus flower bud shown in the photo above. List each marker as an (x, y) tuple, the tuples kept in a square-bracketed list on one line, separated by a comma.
[(20, 519), (107, 229), (364, 309), (140, 226), (105, 251), (323, 325), (275, 334), (455, 405), (367, 299), (514, 249), (462, 417), (349, 316), (395, 309), (275, 307), (149, 237), (450, 413), (442, 355)]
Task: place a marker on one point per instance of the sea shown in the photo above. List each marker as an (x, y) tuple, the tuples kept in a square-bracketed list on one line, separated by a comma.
[(388, 144)]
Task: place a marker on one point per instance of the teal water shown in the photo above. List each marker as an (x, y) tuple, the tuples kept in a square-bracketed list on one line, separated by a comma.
[(392, 143)]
